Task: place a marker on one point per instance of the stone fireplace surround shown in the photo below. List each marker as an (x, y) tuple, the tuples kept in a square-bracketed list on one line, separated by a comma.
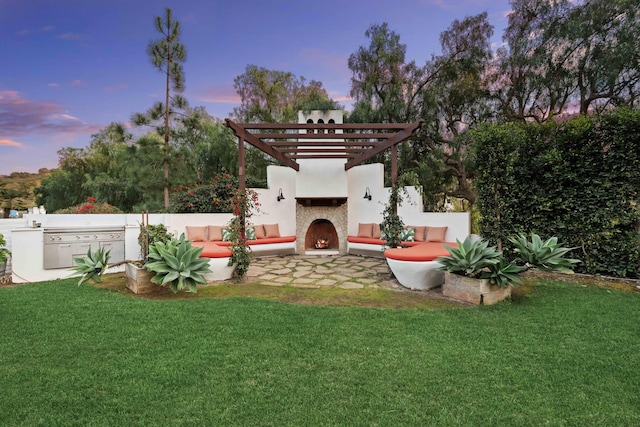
[(337, 215)]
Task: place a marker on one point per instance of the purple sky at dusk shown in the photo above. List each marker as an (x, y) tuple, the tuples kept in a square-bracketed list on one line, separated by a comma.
[(69, 68)]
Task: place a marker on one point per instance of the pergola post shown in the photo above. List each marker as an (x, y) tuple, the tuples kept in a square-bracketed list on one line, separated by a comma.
[(394, 172), (242, 183), (359, 143)]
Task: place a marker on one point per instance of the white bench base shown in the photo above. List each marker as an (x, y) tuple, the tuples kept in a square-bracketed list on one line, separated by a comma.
[(220, 269), (417, 275), (366, 249), (284, 248)]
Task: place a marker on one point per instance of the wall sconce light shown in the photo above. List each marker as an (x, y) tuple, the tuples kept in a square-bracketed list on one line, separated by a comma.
[(367, 194), (280, 196)]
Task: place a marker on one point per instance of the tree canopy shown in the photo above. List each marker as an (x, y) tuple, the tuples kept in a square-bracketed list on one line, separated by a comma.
[(558, 58)]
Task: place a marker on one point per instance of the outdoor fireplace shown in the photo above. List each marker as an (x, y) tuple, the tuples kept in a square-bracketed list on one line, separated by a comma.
[(321, 235)]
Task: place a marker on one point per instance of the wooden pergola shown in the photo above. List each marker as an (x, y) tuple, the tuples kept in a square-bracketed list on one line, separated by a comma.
[(357, 142)]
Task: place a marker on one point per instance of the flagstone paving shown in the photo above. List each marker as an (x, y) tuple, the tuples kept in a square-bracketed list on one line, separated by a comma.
[(312, 272)]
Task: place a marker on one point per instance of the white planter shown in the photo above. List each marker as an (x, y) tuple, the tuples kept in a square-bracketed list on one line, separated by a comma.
[(474, 291)]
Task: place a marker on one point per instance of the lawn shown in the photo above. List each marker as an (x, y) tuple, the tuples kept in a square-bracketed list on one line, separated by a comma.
[(564, 354)]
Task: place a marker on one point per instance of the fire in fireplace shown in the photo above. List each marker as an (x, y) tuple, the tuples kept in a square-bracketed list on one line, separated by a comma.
[(321, 234), (322, 244)]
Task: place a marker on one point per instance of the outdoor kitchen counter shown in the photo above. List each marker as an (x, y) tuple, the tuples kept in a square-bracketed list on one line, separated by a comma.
[(27, 256)]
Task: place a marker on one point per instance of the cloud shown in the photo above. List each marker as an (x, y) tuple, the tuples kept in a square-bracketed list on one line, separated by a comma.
[(222, 94), (116, 88), (343, 99), (71, 36), (54, 85), (10, 143), (324, 59), (77, 83), (20, 116), (27, 31)]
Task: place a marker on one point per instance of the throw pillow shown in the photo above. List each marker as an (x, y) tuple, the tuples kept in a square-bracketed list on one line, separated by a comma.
[(259, 230), (420, 234), (383, 233), (365, 230), (271, 230), (226, 234), (250, 233), (407, 234), (436, 234), (196, 234), (376, 231), (215, 233)]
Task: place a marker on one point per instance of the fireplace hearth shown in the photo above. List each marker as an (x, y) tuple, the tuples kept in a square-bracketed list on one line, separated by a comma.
[(318, 223), (321, 235)]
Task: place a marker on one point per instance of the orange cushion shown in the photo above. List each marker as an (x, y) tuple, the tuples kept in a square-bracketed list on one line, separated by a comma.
[(436, 234), (365, 230), (267, 240), (260, 234), (197, 234), (420, 233), (215, 232), (212, 250), (421, 252), (271, 230), (369, 240), (376, 231)]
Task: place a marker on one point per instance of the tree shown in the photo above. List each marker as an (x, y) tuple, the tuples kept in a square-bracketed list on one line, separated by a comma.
[(601, 51), (527, 83), (269, 96), (565, 55), (389, 89), (448, 91), (166, 54), (107, 175), (63, 187)]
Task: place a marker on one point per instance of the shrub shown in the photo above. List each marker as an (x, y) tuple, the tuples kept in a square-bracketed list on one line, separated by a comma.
[(92, 265), (177, 264), (578, 180), (548, 255), (475, 258), (91, 206)]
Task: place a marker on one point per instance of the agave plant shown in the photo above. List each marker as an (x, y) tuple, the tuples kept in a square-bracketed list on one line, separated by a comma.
[(503, 273), (177, 264), (547, 255), (470, 258), (92, 265), (479, 260)]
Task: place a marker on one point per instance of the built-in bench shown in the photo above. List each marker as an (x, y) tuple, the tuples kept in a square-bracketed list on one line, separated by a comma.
[(415, 267), (370, 240), (218, 260), (413, 264), (263, 239)]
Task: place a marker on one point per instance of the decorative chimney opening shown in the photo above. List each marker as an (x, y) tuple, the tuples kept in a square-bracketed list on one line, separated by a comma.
[(321, 235)]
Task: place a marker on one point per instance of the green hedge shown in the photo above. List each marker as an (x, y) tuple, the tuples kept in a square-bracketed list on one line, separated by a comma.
[(579, 181)]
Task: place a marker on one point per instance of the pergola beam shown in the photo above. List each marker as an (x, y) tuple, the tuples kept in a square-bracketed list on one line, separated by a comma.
[(251, 139), (398, 137), (285, 146)]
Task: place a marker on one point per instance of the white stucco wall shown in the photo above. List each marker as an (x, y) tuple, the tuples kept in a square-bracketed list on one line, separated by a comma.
[(272, 211)]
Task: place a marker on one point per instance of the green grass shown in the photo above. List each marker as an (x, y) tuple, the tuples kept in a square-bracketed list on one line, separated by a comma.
[(564, 354)]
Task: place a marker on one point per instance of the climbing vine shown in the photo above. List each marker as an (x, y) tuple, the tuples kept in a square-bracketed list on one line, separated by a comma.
[(244, 204)]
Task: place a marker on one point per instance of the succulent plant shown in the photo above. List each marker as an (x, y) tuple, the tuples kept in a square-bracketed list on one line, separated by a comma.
[(177, 264), (470, 258), (547, 255), (92, 265), (475, 258)]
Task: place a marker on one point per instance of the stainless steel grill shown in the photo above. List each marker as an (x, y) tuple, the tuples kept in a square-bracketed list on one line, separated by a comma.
[(61, 245)]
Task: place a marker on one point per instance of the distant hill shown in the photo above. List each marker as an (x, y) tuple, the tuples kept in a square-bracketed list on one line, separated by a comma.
[(16, 189)]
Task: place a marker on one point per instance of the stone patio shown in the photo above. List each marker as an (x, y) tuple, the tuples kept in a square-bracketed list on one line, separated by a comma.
[(314, 272)]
